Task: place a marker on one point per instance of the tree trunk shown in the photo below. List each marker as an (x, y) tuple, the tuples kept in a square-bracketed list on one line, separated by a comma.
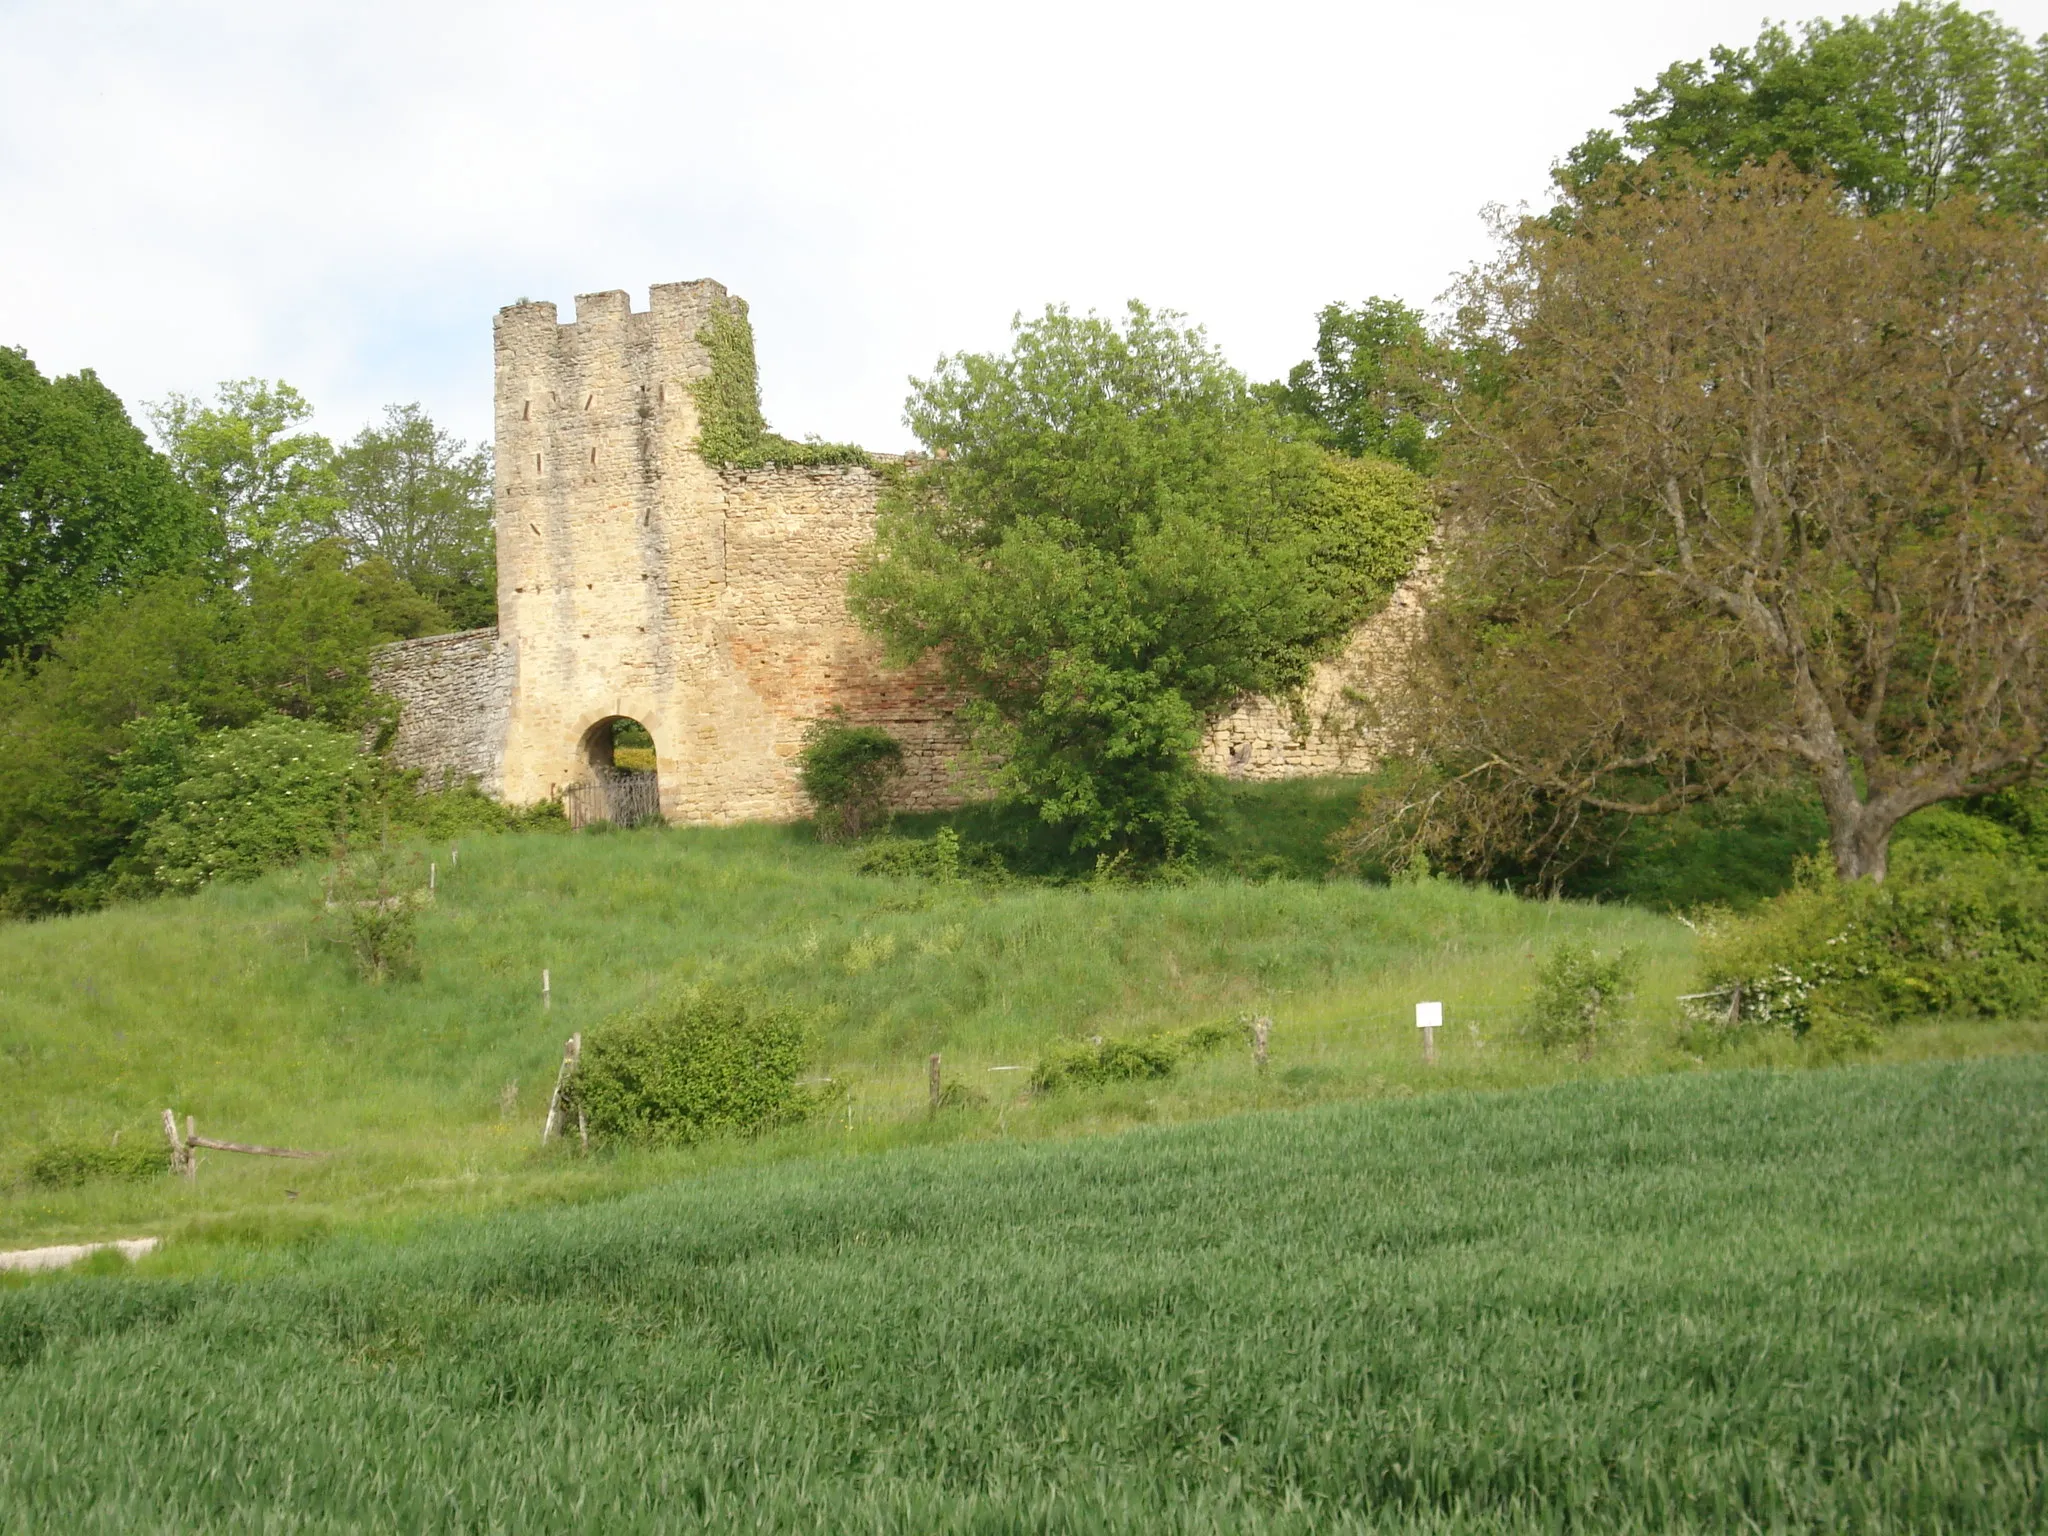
[(1859, 830), (1862, 849)]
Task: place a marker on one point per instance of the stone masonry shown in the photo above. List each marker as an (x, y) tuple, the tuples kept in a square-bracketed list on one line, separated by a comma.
[(636, 580)]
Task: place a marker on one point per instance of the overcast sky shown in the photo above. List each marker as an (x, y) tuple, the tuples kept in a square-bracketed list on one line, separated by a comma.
[(342, 194)]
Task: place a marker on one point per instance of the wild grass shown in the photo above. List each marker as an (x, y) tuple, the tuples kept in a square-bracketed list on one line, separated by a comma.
[(230, 1007), (1711, 1302)]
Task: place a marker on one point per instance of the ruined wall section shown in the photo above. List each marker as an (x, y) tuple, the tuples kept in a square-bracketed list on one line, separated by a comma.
[(792, 536), (454, 695), (1333, 731)]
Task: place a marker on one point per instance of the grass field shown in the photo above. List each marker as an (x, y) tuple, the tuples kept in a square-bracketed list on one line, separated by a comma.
[(1705, 1302), (229, 1007)]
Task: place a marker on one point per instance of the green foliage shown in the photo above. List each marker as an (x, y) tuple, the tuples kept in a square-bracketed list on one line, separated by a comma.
[(67, 1164), (419, 499), (1944, 934), (87, 509), (1578, 991), (246, 800), (1705, 1302), (461, 809), (1902, 108), (702, 1062), (1372, 388), (370, 903), (731, 429), (271, 489), (1732, 851), (1129, 1058), (1113, 541), (292, 639), (848, 772), (2011, 825), (944, 856), (1367, 521)]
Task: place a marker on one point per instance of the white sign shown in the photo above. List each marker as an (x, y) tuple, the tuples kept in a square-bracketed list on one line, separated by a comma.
[(1429, 1015)]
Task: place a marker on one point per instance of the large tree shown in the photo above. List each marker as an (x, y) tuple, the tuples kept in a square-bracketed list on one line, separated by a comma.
[(1902, 108), (1113, 540), (87, 507), (1760, 485), (249, 456), (1373, 386), (420, 498)]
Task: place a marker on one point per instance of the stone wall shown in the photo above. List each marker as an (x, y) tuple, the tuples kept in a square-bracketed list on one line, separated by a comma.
[(454, 695), (636, 580), (1332, 730)]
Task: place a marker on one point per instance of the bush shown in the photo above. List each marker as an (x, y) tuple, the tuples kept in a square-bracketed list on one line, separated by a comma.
[(1577, 993), (848, 772), (66, 1163), (1082, 1063), (1947, 932), (371, 899), (945, 855), (702, 1062), (243, 801), (462, 808)]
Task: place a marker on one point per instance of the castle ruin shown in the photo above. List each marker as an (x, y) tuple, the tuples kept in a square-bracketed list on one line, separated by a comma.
[(638, 582)]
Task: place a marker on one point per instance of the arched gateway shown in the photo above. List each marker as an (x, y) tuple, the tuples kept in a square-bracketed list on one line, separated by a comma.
[(621, 782), (707, 604)]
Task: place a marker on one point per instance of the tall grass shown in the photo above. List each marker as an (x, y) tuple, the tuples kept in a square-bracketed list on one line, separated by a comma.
[(1737, 1301)]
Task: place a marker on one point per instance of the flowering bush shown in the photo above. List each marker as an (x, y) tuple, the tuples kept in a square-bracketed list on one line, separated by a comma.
[(1947, 933), (249, 800)]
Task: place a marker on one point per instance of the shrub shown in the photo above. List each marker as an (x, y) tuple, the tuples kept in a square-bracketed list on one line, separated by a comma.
[(1106, 1059), (945, 855), (848, 772), (371, 899), (1577, 993), (1947, 932), (958, 1095), (65, 1163), (245, 800), (701, 1062), (461, 808)]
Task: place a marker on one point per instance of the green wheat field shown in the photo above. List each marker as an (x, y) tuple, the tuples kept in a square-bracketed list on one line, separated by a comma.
[(1731, 1301)]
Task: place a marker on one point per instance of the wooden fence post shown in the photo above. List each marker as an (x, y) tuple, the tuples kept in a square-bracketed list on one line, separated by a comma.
[(181, 1155), (1262, 1027), (572, 1050), (932, 1072)]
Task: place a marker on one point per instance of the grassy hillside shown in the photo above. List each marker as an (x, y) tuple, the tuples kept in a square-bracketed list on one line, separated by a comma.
[(231, 1007), (1731, 1301)]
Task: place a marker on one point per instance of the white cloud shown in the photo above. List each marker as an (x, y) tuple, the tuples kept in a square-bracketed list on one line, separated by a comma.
[(342, 194)]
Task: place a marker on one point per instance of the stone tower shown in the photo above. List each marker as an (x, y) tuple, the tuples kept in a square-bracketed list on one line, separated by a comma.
[(636, 580)]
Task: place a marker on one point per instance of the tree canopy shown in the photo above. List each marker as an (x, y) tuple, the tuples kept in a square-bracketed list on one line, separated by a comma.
[(1372, 386), (1113, 540), (1763, 487), (87, 507), (1902, 109), (268, 481), (419, 498)]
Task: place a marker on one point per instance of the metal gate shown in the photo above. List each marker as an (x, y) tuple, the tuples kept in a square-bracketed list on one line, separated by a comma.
[(621, 796)]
